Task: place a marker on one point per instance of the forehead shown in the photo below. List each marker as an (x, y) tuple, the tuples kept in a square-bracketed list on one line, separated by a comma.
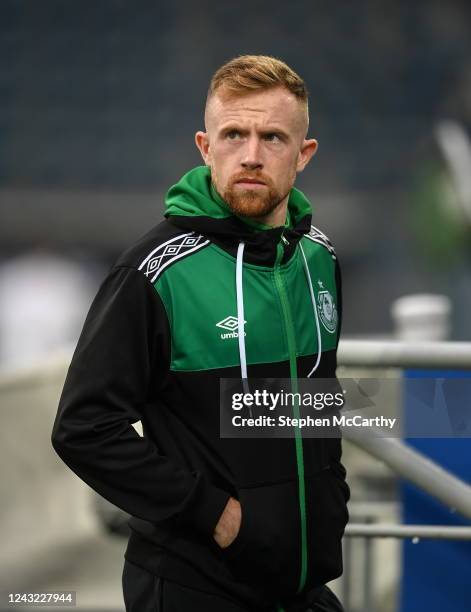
[(267, 107)]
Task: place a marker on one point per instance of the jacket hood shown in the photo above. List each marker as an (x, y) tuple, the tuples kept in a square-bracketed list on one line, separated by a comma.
[(193, 204)]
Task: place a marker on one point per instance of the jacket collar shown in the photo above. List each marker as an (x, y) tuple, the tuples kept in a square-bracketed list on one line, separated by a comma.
[(193, 204)]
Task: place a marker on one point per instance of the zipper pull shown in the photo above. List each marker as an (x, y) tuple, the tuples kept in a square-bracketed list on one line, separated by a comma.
[(283, 238)]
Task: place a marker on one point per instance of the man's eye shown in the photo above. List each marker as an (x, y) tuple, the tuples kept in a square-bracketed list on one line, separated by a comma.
[(233, 135), (272, 137)]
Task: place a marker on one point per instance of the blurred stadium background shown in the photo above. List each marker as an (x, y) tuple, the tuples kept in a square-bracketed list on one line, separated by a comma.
[(99, 102)]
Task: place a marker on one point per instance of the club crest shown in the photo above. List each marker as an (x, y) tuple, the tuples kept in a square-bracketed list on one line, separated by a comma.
[(327, 309)]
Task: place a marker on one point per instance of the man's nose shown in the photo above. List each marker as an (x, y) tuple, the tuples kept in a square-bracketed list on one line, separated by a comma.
[(251, 159)]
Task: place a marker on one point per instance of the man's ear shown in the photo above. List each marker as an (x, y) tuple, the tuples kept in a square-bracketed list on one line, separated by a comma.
[(308, 149), (202, 142)]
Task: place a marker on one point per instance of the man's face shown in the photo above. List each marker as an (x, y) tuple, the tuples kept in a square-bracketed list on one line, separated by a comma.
[(255, 144)]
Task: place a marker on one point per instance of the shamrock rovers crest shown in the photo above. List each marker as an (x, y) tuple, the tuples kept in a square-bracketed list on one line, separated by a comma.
[(326, 309)]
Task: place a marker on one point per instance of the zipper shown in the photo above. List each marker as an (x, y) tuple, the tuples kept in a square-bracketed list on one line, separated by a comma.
[(291, 339)]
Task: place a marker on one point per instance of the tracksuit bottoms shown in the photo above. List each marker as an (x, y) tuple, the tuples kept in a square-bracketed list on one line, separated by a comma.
[(145, 592)]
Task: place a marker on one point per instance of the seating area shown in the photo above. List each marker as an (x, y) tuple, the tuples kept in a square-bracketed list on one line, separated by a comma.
[(102, 95)]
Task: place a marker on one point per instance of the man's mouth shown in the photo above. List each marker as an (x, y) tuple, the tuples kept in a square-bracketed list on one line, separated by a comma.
[(250, 182)]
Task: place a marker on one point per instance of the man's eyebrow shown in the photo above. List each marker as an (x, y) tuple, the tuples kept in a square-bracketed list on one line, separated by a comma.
[(274, 130), (232, 125), (229, 127)]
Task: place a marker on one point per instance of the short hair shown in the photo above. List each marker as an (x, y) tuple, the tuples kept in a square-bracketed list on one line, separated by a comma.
[(248, 73)]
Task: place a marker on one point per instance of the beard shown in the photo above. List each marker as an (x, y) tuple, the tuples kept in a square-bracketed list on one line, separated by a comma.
[(251, 202)]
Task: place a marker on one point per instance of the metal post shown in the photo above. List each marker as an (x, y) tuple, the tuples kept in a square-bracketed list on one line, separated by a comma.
[(346, 578), (368, 578)]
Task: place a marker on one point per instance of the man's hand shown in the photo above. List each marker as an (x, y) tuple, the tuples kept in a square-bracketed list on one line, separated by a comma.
[(228, 525)]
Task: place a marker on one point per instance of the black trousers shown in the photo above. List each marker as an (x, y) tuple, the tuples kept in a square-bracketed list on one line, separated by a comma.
[(145, 592)]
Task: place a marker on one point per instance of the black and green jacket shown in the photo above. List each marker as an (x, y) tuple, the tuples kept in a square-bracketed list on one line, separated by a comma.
[(161, 332)]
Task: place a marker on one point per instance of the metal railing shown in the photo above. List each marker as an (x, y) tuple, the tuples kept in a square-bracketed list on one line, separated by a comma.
[(412, 465), (394, 353), (401, 458), (415, 532)]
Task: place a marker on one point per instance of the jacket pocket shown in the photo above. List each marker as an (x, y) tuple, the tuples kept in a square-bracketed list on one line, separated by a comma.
[(266, 551), (327, 495)]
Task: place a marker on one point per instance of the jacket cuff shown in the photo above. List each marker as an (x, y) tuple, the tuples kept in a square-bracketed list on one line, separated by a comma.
[(205, 507)]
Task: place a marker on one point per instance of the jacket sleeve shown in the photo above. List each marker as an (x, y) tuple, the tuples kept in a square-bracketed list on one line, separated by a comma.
[(120, 350), (335, 444)]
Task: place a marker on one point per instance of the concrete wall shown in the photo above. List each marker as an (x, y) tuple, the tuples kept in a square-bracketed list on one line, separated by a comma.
[(42, 502)]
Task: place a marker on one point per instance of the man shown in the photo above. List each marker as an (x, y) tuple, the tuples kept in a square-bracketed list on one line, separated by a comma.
[(230, 285)]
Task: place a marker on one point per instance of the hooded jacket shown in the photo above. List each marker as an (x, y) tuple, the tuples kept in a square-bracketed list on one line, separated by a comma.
[(206, 295)]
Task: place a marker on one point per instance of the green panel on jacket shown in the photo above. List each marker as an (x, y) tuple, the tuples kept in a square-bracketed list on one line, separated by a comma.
[(199, 294)]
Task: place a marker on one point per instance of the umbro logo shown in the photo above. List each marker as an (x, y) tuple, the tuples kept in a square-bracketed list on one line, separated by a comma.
[(230, 324)]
